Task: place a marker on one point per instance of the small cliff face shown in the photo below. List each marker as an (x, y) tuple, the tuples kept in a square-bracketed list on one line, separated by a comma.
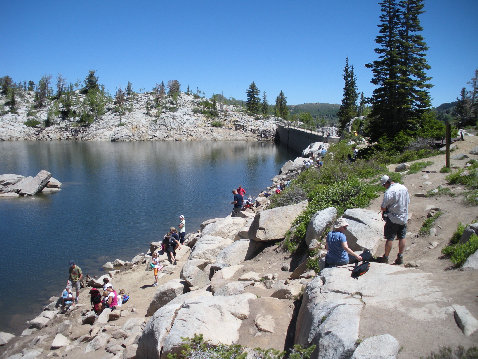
[(142, 118)]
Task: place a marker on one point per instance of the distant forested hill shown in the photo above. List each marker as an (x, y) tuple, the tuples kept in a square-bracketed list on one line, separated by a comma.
[(321, 110)]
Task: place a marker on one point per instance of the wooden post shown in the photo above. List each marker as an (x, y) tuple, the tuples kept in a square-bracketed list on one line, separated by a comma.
[(448, 142)]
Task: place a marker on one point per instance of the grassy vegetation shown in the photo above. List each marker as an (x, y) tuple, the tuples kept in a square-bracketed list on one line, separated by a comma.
[(418, 166), (217, 123), (428, 223), (197, 347), (458, 252), (441, 191), (32, 123), (339, 183), (467, 177)]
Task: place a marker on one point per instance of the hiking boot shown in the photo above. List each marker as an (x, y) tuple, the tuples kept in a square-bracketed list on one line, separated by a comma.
[(382, 259), (399, 260), (155, 284)]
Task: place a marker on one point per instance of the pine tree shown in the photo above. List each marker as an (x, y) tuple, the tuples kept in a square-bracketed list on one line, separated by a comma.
[(6, 83), (474, 99), (348, 109), (462, 110), (253, 100), (31, 86), (173, 87), (60, 86), (401, 100), (264, 105), (42, 92), (361, 108), (281, 109), (129, 90), (91, 82)]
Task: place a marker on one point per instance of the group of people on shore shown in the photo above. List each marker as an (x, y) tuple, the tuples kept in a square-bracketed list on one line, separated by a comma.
[(394, 209)]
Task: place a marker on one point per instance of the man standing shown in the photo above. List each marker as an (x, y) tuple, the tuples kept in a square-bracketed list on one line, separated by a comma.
[(238, 201), (76, 275), (395, 213), (182, 229)]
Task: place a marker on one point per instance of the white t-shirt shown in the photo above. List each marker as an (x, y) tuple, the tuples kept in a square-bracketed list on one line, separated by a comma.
[(396, 200), (183, 228)]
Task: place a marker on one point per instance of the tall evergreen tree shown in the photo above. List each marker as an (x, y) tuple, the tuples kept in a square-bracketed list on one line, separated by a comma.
[(31, 86), (60, 86), (42, 91), (174, 87), (401, 98), (281, 109), (91, 82), (348, 109), (474, 98), (253, 100), (361, 108), (462, 110), (129, 89), (264, 105)]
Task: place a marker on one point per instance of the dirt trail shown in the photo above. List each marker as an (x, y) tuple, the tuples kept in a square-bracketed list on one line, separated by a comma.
[(419, 338)]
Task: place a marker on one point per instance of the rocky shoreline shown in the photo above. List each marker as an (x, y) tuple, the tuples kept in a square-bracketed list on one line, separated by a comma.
[(233, 275)]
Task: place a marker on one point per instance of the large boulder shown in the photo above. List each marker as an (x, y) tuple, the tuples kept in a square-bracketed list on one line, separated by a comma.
[(472, 261), (5, 338), (202, 315), (8, 180), (164, 294), (365, 229), (237, 252), (30, 186), (208, 247), (319, 224), (273, 224), (379, 347), (227, 227), (293, 166), (193, 272), (330, 322)]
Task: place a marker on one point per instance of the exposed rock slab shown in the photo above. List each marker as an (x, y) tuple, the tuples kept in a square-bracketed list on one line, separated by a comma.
[(208, 247), (365, 229), (226, 227), (465, 320)]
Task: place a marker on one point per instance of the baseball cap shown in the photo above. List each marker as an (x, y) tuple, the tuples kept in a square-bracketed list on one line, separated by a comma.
[(384, 179), (181, 216), (341, 222)]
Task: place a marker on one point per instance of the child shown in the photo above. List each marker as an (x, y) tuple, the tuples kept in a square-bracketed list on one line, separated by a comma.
[(66, 297), (156, 267)]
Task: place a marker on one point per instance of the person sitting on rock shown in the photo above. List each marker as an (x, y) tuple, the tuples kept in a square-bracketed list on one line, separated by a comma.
[(112, 298), (66, 297), (171, 241), (337, 248), (106, 283), (96, 300)]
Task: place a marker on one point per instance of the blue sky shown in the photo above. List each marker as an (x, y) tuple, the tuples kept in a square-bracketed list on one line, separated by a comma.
[(222, 46)]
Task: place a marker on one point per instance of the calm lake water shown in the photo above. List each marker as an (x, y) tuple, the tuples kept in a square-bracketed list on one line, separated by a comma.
[(116, 198)]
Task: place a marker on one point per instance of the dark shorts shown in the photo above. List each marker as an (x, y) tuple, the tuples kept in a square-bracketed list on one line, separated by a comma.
[(181, 237), (392, 230), (170, 249), (352, 260)]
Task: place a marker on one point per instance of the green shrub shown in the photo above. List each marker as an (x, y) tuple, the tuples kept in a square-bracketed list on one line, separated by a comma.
[(458, 233), (32, 123), (217, 123), (198, 348), (467, 177), (441, 191), (445, 170), (459, 253), (471, 197), (428, 223), (417, 166)]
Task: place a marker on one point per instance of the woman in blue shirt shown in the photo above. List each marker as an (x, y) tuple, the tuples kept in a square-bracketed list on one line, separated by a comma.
[(336, 244)]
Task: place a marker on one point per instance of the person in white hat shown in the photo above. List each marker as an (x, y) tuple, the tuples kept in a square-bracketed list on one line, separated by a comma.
[(395, 214), (182, 228), (338, 250)]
